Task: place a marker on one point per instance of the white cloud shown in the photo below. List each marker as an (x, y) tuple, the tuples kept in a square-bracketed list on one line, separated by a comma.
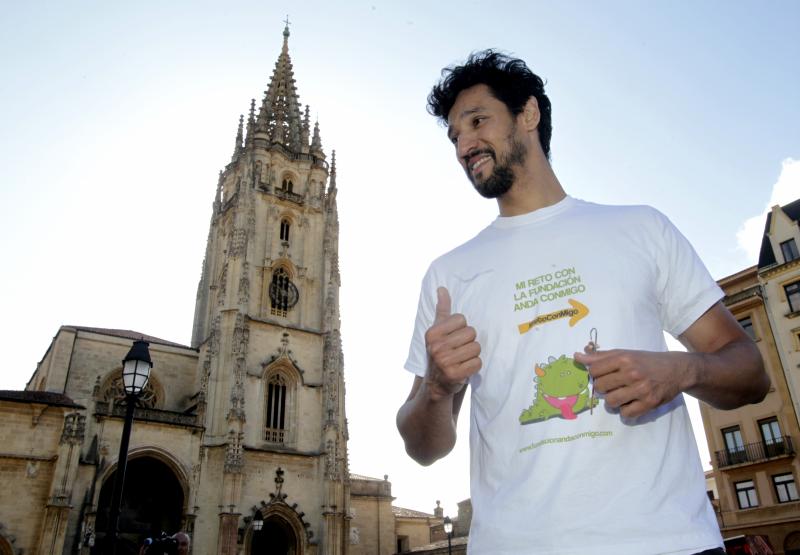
[(785, 190)]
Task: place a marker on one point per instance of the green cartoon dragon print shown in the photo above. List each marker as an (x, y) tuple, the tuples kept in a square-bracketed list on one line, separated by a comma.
[(562, 390)]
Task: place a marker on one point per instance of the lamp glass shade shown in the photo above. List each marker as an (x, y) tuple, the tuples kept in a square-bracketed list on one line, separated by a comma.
[(448, 526), (135, 374), (136, 368), (257, 524)]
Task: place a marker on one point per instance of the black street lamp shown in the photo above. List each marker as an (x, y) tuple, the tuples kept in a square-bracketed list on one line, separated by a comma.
[(448, 529), (258, 523), (136, 368)]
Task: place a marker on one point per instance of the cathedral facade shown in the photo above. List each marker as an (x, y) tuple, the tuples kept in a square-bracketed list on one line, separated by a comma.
[(239, 438)]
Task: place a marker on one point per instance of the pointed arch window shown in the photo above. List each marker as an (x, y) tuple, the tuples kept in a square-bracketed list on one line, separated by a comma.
[(275, 425), (283, 294), (285, 225)]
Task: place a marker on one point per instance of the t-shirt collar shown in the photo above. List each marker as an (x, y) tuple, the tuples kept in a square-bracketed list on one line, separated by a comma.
[(505, 222)]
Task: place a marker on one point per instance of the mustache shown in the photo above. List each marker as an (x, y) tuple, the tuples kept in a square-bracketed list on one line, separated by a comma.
[(477, 151)]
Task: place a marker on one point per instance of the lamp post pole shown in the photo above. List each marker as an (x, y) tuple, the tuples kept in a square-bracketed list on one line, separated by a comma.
[(448, 529), (136, 368), (119, 480)]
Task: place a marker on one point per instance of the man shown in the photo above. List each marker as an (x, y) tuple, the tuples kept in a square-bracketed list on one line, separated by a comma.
[(571, 452), (183, 542)]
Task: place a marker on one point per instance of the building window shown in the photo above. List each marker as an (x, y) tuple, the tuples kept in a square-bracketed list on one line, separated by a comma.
[(287, 185), (746, 494), (734, 446), (772, 437), (747, 326), (285, 230), (793, 296), (785, 488), (276, 409), (283, 294), (789, 250)]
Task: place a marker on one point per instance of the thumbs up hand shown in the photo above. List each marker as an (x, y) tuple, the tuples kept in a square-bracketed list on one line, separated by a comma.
[(453, 352)]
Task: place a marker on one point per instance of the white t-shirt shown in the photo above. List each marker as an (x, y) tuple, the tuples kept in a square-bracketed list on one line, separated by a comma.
[(549, 473)]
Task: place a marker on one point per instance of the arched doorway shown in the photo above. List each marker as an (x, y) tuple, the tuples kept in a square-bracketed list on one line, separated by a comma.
[(791, 545), (276, 537), (152, 502)]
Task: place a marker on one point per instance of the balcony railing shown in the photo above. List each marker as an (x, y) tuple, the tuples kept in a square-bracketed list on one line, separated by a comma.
[(275, 435), (755, 452), (103, 408), (288, 195)]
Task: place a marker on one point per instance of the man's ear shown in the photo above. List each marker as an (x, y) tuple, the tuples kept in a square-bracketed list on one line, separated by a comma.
[(530, 114)]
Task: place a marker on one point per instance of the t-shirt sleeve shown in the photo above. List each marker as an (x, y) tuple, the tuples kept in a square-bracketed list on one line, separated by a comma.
[(417, 361), (684, 286)]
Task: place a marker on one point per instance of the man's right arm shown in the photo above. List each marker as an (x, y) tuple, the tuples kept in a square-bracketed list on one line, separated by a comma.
[(427, 420)]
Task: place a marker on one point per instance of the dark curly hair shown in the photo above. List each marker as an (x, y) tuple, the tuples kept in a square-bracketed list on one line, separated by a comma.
[(508, 78)]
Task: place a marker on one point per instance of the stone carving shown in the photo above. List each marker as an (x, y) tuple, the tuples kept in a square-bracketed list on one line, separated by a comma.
[(114, 392), (236, 411), (331, 470), (238, 242), (32, 469), (257, 174), (354, 536), (213, 340), (234, 460), (204, 373), (332, 370), (241, 336), (74, 428), (223, 285), (279, 498)]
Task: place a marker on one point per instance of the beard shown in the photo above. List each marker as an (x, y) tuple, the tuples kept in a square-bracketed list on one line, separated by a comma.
[(502, 176)]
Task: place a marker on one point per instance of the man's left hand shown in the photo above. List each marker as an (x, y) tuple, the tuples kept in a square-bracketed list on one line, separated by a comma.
[(636, 382)]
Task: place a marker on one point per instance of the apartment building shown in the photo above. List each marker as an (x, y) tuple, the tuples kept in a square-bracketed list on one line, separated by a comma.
[(754, 448)]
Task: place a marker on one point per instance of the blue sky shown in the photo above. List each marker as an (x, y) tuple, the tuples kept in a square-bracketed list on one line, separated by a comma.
[(117, 118)]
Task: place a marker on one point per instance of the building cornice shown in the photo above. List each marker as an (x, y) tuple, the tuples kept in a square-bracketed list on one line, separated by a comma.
[(775, 270)]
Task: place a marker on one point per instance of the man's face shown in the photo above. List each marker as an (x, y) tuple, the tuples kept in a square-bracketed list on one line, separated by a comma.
[(483, 130), (183, 543)]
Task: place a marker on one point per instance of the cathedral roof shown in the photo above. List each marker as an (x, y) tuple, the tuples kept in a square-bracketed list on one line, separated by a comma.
[(129, 334), (365, 478), (437, 546), (44, 397), (410, 513)]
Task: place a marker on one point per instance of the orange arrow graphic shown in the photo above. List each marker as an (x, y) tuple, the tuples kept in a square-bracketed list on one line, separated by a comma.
[(575, 314)]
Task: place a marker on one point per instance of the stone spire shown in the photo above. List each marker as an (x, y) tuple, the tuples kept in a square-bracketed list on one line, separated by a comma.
[(279, 117), (332, 184), (239, 146), (316, 142), (331, 245), (304, 131), (251, 122)]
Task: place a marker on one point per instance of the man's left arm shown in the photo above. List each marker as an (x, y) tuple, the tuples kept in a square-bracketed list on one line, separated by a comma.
[(723, 368)]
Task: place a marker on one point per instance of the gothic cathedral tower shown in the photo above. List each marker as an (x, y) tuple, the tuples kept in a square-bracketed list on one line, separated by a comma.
[(266, 324)]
